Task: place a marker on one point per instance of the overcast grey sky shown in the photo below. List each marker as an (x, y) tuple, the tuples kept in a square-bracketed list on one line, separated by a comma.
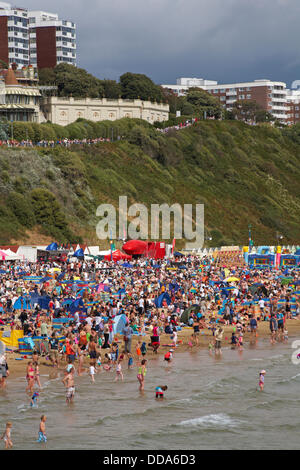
[(224, 40)]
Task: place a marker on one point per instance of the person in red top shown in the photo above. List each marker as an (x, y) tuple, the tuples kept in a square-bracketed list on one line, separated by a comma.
[(70, 351)]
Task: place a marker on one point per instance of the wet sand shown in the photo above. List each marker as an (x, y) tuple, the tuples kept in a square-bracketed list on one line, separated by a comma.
[(17, 368)]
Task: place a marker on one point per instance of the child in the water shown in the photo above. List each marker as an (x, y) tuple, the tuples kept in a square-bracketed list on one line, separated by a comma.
[(130, 361), (144, 349), (262, 380), (34, 399), (159, 391), (119, 372), (92, 371), (42, 430), (6, 436)]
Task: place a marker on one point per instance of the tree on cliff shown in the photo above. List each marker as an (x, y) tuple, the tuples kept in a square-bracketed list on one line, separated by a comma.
[(136, 85)]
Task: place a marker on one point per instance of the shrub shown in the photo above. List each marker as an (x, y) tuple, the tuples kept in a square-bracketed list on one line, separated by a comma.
[(22, 209)]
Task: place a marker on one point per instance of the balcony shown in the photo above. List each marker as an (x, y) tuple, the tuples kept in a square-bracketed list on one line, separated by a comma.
[(277, 92), (279, 108), (280, 99)]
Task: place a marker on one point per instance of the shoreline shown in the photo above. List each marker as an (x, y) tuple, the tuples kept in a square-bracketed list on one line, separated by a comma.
[(17, 368)]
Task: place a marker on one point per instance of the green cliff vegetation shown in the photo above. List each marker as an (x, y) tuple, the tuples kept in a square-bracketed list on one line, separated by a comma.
[(242, 174)]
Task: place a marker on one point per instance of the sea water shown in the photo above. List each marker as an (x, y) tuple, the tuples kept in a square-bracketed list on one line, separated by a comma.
[(210, 404)]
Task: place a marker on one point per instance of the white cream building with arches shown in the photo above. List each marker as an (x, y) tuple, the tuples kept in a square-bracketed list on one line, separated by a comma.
[(64, 111)]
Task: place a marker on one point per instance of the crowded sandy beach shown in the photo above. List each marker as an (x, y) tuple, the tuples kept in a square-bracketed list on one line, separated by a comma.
[(70, 318)]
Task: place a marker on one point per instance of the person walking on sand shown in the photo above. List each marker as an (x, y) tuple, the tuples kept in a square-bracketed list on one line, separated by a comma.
[(141, 374), (6, 436)]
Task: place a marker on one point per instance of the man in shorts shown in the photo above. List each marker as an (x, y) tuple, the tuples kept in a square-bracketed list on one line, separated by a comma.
[(68, 382), (273, 328), (54, 349), (218, 338), (253, 325)]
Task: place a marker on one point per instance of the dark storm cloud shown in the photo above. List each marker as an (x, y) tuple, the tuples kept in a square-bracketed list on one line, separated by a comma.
[(225, 40)]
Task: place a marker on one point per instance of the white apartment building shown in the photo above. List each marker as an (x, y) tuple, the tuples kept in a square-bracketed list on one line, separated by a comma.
[(51, 39), (35, 37), (272, 96), (14, 37), (183, 84)]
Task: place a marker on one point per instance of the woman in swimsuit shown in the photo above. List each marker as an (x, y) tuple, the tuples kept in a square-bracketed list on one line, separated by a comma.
[(37, 374), (141, 374), (30, 378), (196, 326)]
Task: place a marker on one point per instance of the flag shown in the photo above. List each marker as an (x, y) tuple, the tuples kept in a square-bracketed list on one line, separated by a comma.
[(173, 246)]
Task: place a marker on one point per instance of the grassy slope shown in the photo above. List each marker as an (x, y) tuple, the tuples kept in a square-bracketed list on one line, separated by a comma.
[(242, 174)]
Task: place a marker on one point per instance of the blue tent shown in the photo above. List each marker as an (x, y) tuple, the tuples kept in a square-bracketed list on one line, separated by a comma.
[(120, 321), (79, 253), (76, 305), (52, 247), (22, 302), (163, 297), (44, 302)]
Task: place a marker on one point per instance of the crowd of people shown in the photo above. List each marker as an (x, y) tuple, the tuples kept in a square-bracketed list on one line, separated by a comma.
[(179, 126), (76, 308), (52, 143)]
